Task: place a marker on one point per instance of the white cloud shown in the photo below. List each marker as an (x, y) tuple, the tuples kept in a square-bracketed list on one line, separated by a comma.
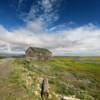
[(44, 10), (81, 40), (48, 5)]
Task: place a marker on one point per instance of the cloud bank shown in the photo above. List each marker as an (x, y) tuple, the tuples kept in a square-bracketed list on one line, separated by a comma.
[(83, 40)]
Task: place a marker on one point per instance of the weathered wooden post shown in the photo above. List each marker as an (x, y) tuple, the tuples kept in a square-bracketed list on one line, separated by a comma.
[(45, 89)]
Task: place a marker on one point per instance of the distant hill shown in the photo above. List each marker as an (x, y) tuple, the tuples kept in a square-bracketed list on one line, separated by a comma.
[(7, 55)]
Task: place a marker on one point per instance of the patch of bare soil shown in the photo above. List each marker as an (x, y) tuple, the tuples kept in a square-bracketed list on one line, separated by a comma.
[(5, 68)]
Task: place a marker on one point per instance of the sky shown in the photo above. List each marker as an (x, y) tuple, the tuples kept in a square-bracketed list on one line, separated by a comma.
[(65, 27)]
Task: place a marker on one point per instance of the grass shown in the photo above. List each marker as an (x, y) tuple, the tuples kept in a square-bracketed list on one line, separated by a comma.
[(67, 76)]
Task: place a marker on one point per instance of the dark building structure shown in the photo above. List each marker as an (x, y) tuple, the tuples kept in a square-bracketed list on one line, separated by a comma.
[(38, 53)]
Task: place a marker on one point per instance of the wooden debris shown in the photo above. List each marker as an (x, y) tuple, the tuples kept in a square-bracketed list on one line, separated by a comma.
[(45, 89)]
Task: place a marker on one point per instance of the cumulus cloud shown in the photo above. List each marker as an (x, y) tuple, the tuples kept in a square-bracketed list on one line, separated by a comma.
[(82, 40)]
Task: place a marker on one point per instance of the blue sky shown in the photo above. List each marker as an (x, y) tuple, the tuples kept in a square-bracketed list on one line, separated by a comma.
[(66, 27)]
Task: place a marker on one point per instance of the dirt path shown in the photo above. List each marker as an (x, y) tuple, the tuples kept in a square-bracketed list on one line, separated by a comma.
[(5, 67)]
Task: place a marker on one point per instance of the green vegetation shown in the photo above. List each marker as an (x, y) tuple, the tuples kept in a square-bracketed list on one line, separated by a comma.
[(79, 76)]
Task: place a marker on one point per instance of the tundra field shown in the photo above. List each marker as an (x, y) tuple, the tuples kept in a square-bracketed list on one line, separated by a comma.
[(70, 77)]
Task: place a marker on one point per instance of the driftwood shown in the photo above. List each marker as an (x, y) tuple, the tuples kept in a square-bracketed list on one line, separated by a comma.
[(45, 89)]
